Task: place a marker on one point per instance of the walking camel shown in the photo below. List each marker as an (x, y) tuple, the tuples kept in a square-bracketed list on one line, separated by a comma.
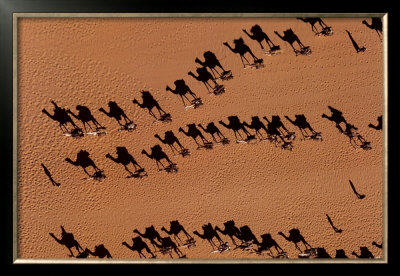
[(204, 76), (167, 245), (376, 24), (181, 89), (290, 37), (83, 160), (211, 61), (257, 125), (241, 48), (150, 233), (170, 139), (157, 154), (174, 229), (124, 158), (231, 230), (302, 123), (295, 237), (235, 125), (267, 242), (138, 245), (61, 116), (117, 113), (258, 35), (365, 253), (68, 240), (194, 132), (85, 116), (212, 129), (99, 251), (209, 234), (149, 102), (312, 21)]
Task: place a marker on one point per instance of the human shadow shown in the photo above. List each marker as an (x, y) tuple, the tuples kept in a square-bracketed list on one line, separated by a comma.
[(118, 114), (312, 21), (303, 125), (99, 251), (241, 48), (170, 139), (355, 138), (235, 125), (166, 245), (85, 116), (211, 61), (336, 117), (259, 35), (337, 230), (378, 126), (267, 242), (175, 228), (68, 240), (61, 116), (360, 196), (290, 37), (364, 253), (209, 234), (212, 129), (181, 89), (151, 234), (47, 172), (355, 45), (83, 160), (205, 77), (376, 24), (148, 102), (340, 254), (194, 132), (157, 154), (138, 245), (125, 158), (295, 237)]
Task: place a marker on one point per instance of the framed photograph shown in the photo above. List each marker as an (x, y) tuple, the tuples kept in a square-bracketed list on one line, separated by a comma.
[(200, 138)]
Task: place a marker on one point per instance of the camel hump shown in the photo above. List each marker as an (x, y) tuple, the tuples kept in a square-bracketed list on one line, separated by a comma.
[(256, 29), (245, 229), (294, 231), (83, 154), (174, 223), (209, 55), (146, 95)]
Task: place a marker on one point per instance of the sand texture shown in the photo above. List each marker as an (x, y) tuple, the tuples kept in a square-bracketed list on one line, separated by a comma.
[(90, 62)]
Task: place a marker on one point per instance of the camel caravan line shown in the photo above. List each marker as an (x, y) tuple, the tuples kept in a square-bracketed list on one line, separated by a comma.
[(178, 240)]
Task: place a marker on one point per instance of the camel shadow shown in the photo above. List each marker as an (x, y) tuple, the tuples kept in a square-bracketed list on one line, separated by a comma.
[(157, 154), (326, 30), (139, 245), (209, 233), (364, 253), (259, 35), (230, 230), (378, 126), (295, 237), (170, 139), (290, 37), (376, 24), (355, 138), (213, 130), (151, 234), (118, 114), (99, 251), (61, 116), (336, 117), (175, 228), (68, 240), (236, 125), (194, 132), (83, 160), (241, 48), (47, 172), (267, 242), (275, 130), (211, 61), (85, 116), (305, 128), (181, 90), (125, 158), (166, 246), (340, 254), (148, 102), (355, 45), (204, 76)]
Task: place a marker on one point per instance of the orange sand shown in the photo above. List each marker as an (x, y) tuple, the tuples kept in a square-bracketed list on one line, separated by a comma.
[(92, 61)]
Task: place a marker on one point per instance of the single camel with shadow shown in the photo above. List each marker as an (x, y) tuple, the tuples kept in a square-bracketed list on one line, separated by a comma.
[(267, 242), (204, 76), (258, 35), (209, 234), (194, 132), (150, 233), (336, 117), (211, 61), (85, 116), (148, 102), (117, 113), (257, 125), (364, 254), (235, 125), (166, 245), (312, 21), (241, 48), (295, 237), (99, 251), (174, 229), (181, 89), (170, 139), (68, 240), (290, 37), (125, 158), (340, 254), (355, 138), (157, 154), (212, 129), (231, 230), (138, 245), (247, 237), (303, 125), (83, 160), (61, 116), (376, 24)]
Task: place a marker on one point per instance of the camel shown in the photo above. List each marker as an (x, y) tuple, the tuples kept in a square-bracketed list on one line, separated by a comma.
[(138, 245), (166, 245), (376, 24), (116, 112), (290, 37), (322, 254), (47, 172), (295, 237), (174, 229), (377, 245), (340, 254), (68, 240), (208, 234), (194, 132), (85, 116), (241, 48), (235, 125), (302, 124), (149, 102), (231, 230), (181, 89), (157, 154), (273, 130), (267, 242), (258, 35), (170, 139), (211, 62), (312, 21), (257, 125), (204, 76), (247, 237), (61, 116), (124, 158), (83, 160), (365, 253), (337, 117), (213, 129), (99, 251), (378, 126), (150, 233), (355, 45), (351, 132)]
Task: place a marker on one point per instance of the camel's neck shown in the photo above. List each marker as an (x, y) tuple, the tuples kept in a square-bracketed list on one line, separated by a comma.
[(48, 114), (159, 138), (75, 163)]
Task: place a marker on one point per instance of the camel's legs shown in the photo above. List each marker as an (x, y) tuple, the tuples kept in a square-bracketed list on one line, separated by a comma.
[(148, 250), (205, 84), (178, 251), (168, 160), (186, 233), (173, 149), (254, 57), (180, 145), (178, 238), (136, 164), (72, 254), (126, 168), (203, 139), (183, 101), (87, 172), (152, 114), (212, 135)]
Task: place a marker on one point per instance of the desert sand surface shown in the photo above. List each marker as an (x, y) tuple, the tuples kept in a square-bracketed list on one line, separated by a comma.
[(91, 61)]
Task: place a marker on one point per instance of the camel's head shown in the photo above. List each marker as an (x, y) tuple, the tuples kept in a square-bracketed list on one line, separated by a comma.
[(255, 29), (143, 152), (238, 41)]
